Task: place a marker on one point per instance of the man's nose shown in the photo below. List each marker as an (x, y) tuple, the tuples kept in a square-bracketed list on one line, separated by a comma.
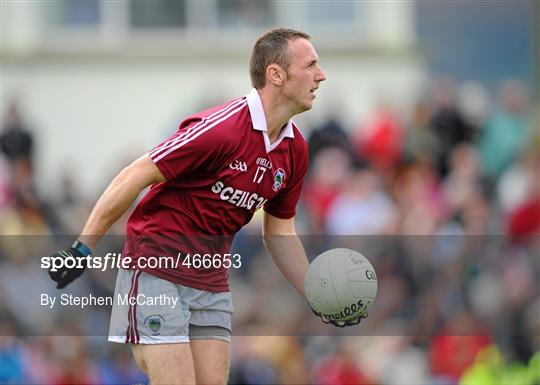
[(321, 76)]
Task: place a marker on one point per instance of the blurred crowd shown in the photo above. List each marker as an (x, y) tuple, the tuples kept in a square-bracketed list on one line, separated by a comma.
[(443, 199)]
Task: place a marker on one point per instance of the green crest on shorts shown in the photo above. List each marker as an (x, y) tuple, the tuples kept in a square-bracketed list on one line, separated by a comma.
[(154, 323)]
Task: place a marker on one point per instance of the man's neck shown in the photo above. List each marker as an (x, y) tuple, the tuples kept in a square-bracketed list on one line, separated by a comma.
[(276, 112)]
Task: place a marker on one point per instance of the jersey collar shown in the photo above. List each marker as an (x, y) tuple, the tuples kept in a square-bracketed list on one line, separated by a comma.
[(259, 119)]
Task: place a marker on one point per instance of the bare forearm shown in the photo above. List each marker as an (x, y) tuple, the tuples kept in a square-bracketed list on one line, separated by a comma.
[(118, 197), (111, 205), (290, 258)]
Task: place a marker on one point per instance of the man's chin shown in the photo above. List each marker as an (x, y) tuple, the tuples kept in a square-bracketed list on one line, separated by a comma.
[(307, 106), (303, 107)]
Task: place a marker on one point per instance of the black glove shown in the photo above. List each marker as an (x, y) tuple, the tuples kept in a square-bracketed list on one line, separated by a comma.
[(339, 324), (64, 275)]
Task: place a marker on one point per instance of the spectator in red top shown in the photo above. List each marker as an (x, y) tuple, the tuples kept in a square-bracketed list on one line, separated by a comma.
[(524, 220), (380, 139), (455, 347), (339, 369)]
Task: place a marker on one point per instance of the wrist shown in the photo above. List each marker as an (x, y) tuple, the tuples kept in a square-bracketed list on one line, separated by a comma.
[(82, 248)]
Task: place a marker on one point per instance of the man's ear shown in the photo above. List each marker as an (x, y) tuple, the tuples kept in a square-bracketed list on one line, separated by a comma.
[(275, 74)]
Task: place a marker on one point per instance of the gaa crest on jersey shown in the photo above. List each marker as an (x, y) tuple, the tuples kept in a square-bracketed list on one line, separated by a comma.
[(238, 165), (279, 179)]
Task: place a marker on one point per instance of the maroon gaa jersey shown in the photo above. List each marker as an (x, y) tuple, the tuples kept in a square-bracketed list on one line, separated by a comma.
[(220, 168)]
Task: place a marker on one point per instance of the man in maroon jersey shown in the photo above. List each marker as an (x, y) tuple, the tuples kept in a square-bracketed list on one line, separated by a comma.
[(207, 180)]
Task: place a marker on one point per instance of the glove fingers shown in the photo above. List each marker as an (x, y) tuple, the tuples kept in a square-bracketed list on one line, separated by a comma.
[(55, 275), (353, 322), (69, 277), (64, 276), (339, 324), (342, 324)]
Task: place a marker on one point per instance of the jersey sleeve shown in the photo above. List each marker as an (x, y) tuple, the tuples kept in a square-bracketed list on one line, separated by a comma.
[(195, 146), (284, 204)]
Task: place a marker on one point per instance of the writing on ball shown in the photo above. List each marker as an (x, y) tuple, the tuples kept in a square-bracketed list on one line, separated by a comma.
[(347, 311)]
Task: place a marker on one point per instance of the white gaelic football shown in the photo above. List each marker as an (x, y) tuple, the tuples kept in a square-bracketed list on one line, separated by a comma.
[(341, 284)]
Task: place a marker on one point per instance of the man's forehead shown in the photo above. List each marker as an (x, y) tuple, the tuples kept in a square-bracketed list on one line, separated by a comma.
[(302, 49)]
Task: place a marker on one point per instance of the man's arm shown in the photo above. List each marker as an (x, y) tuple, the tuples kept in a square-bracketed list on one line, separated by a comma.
[(284, 246), (114, 202), (118, 197)]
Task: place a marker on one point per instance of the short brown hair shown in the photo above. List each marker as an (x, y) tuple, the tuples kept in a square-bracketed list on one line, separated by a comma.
[(271, 47)]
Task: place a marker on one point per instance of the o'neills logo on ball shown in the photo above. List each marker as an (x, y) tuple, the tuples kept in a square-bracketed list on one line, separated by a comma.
[(347, 311), (279, 179)]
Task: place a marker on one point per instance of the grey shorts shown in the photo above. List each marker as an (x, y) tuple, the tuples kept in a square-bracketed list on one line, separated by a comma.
[(150, 310)]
